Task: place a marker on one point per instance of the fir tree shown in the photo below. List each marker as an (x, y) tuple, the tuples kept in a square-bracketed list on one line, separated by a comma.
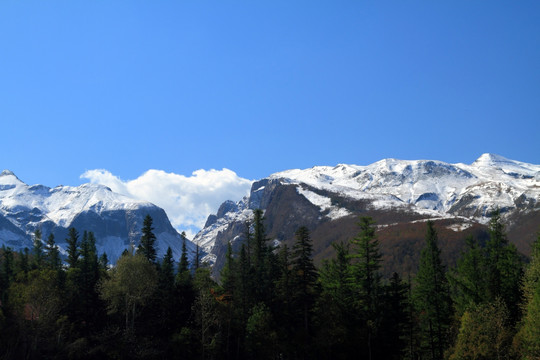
[(504, 267), (23, 262), (366, 278), (148, 239), (183, 265), (431, 296), (72, 249), (167, 269), (305, 289), (468, 278), (53, 254), (37, 250), (103, 261)]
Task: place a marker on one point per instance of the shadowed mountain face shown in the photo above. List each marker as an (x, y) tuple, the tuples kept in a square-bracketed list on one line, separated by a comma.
[(400, 196), (116, 220)]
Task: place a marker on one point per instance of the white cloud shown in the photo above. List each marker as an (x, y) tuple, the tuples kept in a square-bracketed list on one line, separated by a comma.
[(187, 200)]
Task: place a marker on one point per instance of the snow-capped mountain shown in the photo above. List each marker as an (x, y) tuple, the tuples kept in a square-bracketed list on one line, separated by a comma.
[(115, 219), (404, 191)]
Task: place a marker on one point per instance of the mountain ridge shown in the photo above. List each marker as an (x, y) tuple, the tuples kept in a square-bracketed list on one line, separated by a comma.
[(115, 219), (460, 196)]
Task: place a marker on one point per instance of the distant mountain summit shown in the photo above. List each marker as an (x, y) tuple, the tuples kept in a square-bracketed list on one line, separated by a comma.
[(115, 219), (398, 194)]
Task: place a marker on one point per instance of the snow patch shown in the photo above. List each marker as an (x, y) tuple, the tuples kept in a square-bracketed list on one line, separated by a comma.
[(324, 203)]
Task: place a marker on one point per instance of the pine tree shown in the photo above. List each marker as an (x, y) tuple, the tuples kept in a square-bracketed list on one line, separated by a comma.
[(6, 271), (37, 250), (431, 296), (72, 250), (305, 289), (468, 278), (366, 278), (53, 254), (263, 260), (504, 267), (338, 337), (23, 262), (167, 269), (395, 319), (148, 239), (103, 261), (183, 265)]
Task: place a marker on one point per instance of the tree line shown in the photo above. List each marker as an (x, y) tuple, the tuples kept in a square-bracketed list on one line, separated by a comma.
[(270, 302)]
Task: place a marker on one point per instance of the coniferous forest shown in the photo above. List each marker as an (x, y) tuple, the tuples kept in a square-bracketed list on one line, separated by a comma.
[(269, 303)]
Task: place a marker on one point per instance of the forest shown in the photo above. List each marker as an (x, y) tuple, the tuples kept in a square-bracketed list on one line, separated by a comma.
[(269, 302)]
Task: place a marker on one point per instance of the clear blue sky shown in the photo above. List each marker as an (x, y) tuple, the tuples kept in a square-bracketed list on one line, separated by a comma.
[(263, 86)]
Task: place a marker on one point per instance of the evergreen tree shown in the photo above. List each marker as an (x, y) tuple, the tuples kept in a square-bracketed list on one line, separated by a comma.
[(148, 239), (23, 263), (338, 335), (305, 289), (72, 249), (365, 266), (528, 337), (531, 280), (431, 296), (166, 302), (263, 261), (183, 265), (504, 268), (53, 254), (103, 261), (6, 271), (395, 319), (468, 279), (37, 250), (228, 272)]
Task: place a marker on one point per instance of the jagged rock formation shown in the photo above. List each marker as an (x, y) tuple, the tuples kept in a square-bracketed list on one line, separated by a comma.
[(116, 220), (400, 195)]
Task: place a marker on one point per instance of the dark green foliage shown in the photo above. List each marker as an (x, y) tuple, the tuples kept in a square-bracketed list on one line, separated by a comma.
[(504, 267), (468, 279), (22, 264), (52, 258), (395, 320), (37, 250), (6, 271), (304, 290), (73, 249), (432, 298), (269, 303), (148, 239), (103, 261), (366, 280), (183, 265)]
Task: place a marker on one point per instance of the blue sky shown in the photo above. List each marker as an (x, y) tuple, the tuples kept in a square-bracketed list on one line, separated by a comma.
[(262, 86)]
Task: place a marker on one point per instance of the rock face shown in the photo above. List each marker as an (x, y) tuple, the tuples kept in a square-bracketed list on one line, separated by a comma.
[(400, 196), (116, 220)]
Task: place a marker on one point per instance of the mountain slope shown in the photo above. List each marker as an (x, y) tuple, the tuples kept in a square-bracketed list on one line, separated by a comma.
[(400, 195), (116, 220)]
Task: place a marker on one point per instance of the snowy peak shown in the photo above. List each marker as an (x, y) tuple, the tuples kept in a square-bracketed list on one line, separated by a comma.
[(115, 219), (7, 177), (418, 188), (497, 162)]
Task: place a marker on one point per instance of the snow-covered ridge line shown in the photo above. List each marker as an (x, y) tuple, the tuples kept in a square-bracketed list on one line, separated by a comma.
[(115, 219), (425, 184), (430, 188)]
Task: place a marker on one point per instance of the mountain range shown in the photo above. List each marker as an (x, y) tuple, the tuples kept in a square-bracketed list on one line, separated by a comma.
[(116, 220), (399, 195)]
